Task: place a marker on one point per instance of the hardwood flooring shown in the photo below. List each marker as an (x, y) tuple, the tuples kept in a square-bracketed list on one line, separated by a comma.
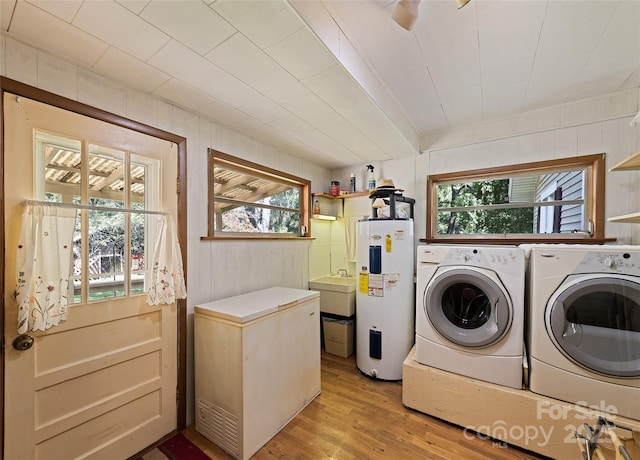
[(356, 417)]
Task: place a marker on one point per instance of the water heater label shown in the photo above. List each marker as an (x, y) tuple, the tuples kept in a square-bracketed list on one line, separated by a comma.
[(376, 285), (364, 283), (391, 280)]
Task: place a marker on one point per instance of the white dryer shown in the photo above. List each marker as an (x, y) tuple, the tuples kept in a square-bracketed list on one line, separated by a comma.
[(584, 326), (470, 311)]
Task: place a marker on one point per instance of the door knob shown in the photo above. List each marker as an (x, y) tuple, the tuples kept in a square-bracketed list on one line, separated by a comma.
[(23, 342)]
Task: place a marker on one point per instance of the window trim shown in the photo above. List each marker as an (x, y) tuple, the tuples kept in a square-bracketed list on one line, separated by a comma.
[(595, 173), (215, 156)]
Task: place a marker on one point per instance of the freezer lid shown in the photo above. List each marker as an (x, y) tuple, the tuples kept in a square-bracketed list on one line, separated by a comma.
[(246, 307)]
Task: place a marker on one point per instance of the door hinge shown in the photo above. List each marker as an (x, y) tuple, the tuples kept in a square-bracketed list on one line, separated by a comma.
[(177, 186)]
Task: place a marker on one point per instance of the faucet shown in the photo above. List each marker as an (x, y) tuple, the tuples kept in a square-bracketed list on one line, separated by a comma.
[(343, 272)]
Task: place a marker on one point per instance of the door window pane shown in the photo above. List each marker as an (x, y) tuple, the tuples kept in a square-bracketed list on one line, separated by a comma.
[(106, 240), (106, 176)]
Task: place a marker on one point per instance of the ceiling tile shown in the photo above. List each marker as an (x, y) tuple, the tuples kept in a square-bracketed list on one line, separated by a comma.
[(376, 126), (321, 22), (125, 68), (314, 109), (562, 15), (253, 127), (264, 109), (63, 9), (222, 114), (135, 6), (396, 56), (500, 100), (463, 51), (339, 90), (503, 19), (335, 150), (495, 52), (181, 62), (242, 59), (507, 74), (53, 34), (230, 90), (182, 94), (190, 22), (280, 86), (429, 118), (263, 22), (441, 22), (592, 84), (572, 41), (463, 105), (6, 12), (453, 79), (299, 149), (131, 35), (414, 89), (326, 120), (291, 124), (301, 54)]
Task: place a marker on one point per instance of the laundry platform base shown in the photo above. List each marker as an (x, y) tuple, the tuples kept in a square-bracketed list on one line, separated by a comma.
[(518, 417)]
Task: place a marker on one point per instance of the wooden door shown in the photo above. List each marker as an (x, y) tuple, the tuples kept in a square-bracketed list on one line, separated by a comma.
[(102, 384)]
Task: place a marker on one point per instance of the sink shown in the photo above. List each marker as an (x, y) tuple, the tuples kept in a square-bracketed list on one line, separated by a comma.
[(334, 283), (337, 294)]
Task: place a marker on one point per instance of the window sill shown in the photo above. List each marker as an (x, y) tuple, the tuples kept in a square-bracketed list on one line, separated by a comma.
[(255, 238), (517, 241)]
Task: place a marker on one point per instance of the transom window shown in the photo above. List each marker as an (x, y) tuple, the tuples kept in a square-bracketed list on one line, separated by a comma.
[(248, 200), (110, 246), (552, 201)]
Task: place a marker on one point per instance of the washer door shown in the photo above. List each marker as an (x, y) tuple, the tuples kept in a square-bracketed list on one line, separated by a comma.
[(595, 321), (468, 306)]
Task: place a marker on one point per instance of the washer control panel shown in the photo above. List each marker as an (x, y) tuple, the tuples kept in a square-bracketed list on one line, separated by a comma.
[(610, 262), (482, 256)]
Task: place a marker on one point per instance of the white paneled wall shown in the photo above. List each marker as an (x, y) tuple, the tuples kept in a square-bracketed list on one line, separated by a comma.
[(320, 249), (215, 269)]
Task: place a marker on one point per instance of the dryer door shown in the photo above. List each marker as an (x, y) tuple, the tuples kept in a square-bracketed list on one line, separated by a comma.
[(595, 321), (468, 306)]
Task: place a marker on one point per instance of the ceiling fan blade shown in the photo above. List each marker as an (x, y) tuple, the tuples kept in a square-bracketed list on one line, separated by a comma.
[(461, 3), (406, 13)]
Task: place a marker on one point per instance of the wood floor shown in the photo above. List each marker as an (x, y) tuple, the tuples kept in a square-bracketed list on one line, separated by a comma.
[(356, 417)]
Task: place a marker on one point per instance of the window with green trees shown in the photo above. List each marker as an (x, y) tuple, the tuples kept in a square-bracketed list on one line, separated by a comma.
[(552, 201)]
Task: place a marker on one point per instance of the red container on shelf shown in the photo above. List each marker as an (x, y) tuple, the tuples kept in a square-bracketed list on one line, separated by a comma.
[(335, 188)]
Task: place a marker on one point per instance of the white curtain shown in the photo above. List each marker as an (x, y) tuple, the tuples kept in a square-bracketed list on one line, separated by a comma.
[(350, 231), (43, 262), (167, 276)]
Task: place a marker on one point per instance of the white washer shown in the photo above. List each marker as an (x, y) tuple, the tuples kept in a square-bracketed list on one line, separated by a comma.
[(584, 326), (470, 311)]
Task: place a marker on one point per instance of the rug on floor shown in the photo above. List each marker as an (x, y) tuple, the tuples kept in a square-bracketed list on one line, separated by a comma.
[(180, 448)]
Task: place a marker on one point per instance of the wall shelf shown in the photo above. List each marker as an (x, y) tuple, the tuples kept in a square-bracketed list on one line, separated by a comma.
[(339, 197), (631, 163), (633, 218)]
